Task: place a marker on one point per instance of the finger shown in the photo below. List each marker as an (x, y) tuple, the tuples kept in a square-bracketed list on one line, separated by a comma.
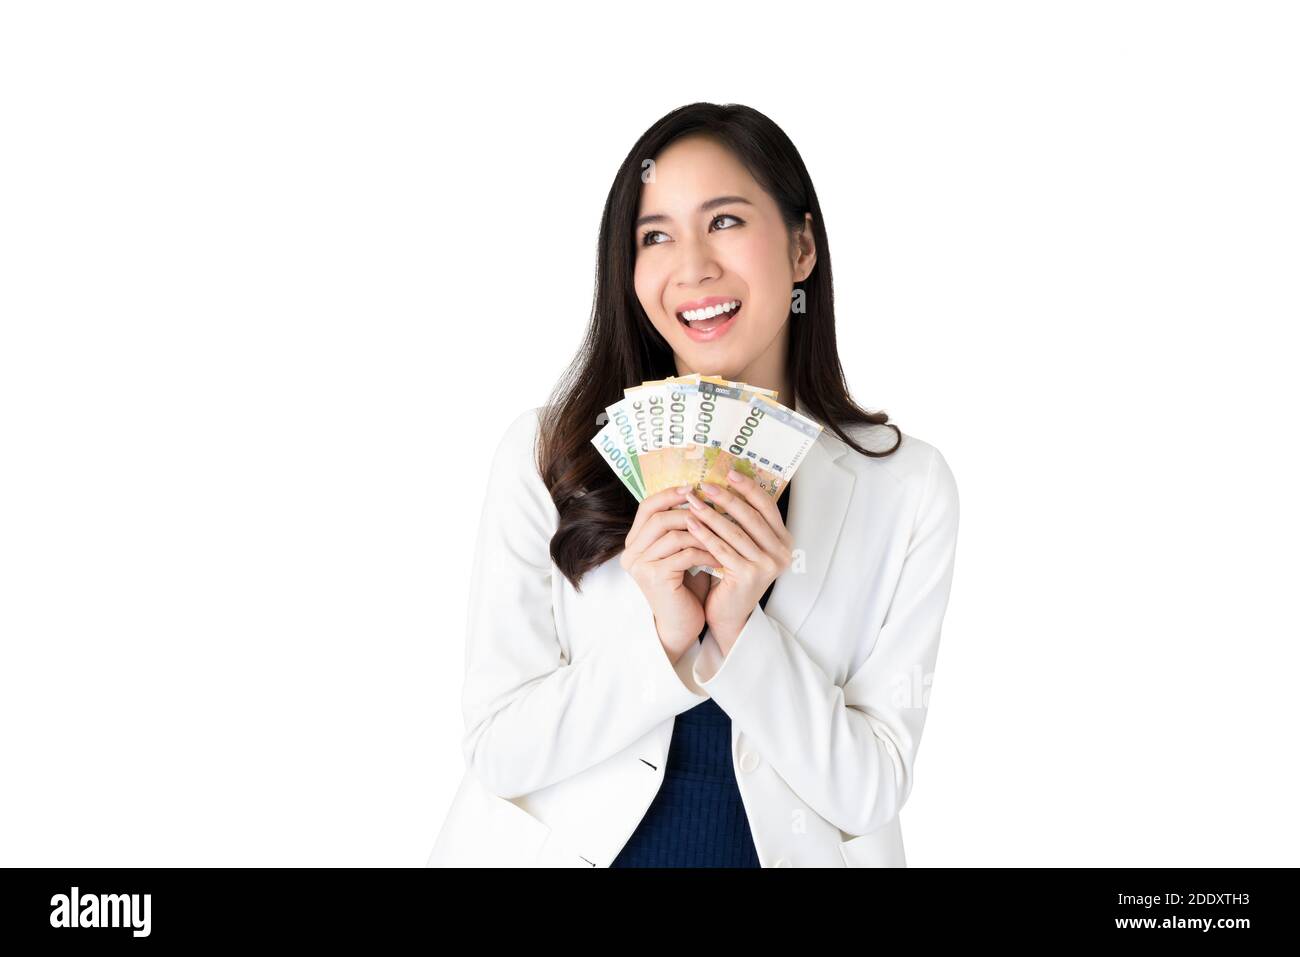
[(684, 559), (658, 524), (724, 527), (753, 516), (652, 505), (730, 557), (669, 542), (755, 495)]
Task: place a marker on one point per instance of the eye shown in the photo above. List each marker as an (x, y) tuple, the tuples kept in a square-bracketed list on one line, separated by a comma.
[(646, 241)]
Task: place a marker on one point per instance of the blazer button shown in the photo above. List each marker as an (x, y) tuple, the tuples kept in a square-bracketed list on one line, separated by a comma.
[(748, 761)]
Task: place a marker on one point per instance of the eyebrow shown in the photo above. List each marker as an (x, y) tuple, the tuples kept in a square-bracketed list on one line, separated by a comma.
[(704, 208)]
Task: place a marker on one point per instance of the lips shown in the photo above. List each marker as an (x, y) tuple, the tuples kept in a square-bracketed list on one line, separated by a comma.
[(721, 315), (695, 305), (712, 328)]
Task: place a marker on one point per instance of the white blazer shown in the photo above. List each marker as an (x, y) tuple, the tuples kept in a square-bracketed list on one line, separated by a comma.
[(569, 698)]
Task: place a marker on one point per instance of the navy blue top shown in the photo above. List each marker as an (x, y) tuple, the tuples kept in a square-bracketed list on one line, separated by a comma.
[(697, 818)]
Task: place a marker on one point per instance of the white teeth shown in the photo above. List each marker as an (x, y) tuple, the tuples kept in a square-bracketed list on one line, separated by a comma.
[(695, 315)]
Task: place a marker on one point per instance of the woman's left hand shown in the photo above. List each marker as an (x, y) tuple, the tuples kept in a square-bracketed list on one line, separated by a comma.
[(754, 550)]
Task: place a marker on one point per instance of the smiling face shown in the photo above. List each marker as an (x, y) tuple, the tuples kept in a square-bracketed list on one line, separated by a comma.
[(709, 236)]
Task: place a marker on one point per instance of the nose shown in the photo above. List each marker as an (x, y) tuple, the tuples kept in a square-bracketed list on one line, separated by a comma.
[(697, 263)]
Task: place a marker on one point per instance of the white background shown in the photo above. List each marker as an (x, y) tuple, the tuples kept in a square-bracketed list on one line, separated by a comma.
[(274, 277)]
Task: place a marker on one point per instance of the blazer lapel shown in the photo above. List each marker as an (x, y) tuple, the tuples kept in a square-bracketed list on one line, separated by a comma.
[(819, 499)]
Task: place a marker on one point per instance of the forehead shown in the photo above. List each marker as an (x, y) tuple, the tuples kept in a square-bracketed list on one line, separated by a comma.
[(691, 170)]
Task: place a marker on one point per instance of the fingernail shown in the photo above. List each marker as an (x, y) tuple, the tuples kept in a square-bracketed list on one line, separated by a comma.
[(735, 476)]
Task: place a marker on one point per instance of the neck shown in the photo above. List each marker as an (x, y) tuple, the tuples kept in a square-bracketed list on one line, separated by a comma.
[(767, 372)]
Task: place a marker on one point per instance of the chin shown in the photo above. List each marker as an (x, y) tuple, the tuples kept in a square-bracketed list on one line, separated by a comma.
[(707, 364)]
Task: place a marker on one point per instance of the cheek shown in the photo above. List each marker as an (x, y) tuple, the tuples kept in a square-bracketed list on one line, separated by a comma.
[(646, 284), (766, 275), (649, 286), (752, 256)]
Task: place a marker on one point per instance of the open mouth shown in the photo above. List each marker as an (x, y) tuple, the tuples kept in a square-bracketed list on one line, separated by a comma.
[(710, 319)]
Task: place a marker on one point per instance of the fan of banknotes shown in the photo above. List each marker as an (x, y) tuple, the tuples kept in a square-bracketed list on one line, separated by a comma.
[(695, 428)]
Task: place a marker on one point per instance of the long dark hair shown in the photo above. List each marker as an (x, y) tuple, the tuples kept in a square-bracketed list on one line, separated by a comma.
[(622, 348)]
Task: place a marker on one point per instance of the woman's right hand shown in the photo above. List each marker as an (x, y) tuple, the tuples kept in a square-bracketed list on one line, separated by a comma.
[(658, 550)]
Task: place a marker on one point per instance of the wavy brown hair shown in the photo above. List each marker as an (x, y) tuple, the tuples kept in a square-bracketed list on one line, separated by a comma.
[(622, 348)]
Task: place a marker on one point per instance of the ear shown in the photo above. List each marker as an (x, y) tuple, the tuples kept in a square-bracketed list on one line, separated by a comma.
[(805, 250)]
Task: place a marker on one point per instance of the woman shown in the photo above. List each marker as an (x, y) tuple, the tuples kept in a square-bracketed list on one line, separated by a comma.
[(621, 711)]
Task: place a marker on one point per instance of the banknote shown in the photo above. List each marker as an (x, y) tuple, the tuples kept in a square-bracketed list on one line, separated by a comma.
[(767, 444), (645, 407), (694, 408), (675, 460), (686, 430), (619, 433), (618, 457)]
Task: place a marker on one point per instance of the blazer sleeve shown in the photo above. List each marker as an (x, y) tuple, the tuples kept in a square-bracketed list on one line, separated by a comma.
[(532, 717), (848, 751)]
